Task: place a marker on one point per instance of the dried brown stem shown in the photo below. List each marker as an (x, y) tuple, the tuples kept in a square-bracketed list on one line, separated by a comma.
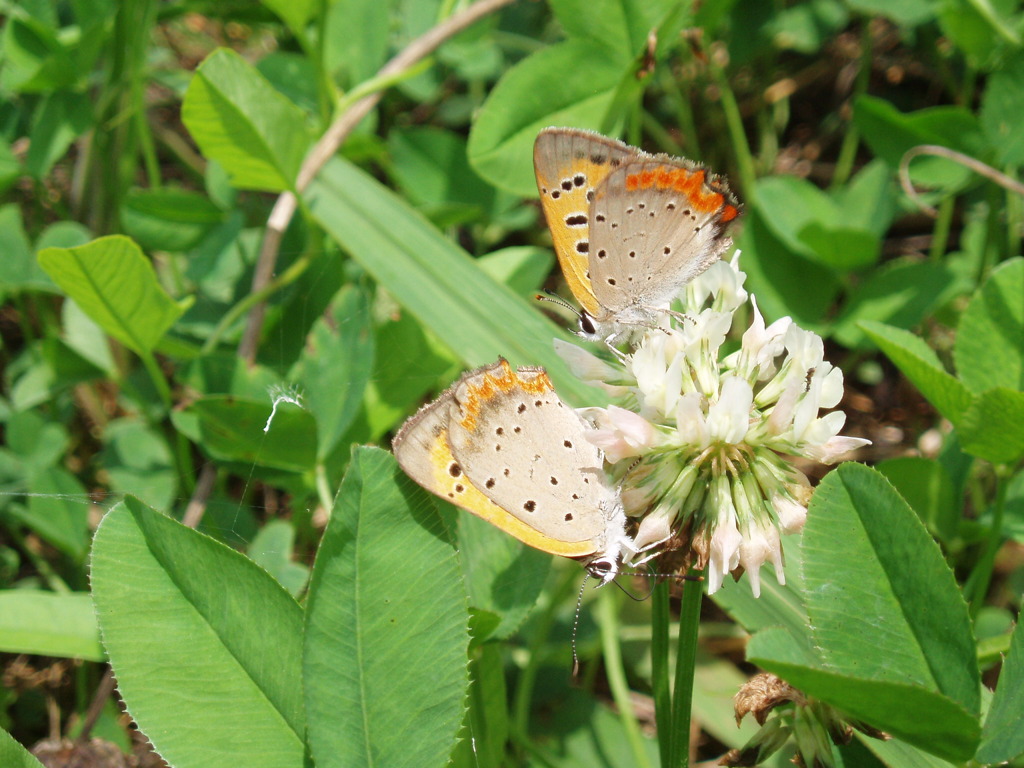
[(328, 145), (967, 161)]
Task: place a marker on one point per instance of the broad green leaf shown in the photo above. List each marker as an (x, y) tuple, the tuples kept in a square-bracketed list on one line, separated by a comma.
[(984, 31), (1002, 111), (989, 349), (869, 201), (168, 219), (808, 222), (271, 549), (572, 83), (502, 575), (778, 276), (35, 61), (86, 338), (1002, 737), (992, 428), (115, 285), (890, 133), (57, 510), (18, 270), (900, 292), (238, 119), (62, 118), (185, 619), (927, 487), (431, 167), (13, 755), (805, 27), (335, 367), (49, 624), (355, 58), (434, 279), (919, 363), (384, 670), (295, 13), (873, 574), (621, 26), (38, 442), (232, 428), (523, 268), (138, 460), (909, 13)]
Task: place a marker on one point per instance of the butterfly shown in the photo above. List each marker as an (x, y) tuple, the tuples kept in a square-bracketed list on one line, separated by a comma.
[(629, 229), (502, 445)]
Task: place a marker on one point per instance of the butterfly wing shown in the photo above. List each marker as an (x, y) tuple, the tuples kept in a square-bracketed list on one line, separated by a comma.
[(423, 451), (655, 224), (524, 448), (570, 165)]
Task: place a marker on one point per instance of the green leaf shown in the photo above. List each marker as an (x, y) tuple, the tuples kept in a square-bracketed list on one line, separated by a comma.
[(57, 510), (138, 460), (115, 284), (35, 61), (900, 292), (778, 276), (18, 270), (336, 365), (572, 83), (232, 429), (503, 576), (1002, 111), (1002, 737), (185, 619), (434, 279), (295, 13), (386, 636), (889, 623), (271, 549), (238, 119), (48, 624), (13, 755), (168, 219), (523, 268), (38, 442), (355, 58), (989, 350), (890, 133), (62, 118), (919, 363), (992, 428), (806, 220), (431, 167), (928, 488), (621, 26), (10, 167)]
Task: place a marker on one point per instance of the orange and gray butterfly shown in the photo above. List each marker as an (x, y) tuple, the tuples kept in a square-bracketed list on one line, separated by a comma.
[(502, 445), (679, 234), (655, 226)]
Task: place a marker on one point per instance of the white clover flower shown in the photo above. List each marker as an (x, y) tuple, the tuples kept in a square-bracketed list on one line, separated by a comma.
[(704, 450)]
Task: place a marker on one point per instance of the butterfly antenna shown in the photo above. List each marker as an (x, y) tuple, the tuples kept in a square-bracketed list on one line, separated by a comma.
[(554, 298), (576, 626)]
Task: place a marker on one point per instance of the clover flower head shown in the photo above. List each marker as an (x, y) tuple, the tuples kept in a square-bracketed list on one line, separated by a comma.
[(701, 438)]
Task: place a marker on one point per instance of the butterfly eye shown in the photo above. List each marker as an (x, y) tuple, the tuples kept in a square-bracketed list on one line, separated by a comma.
[(587, 324), (600, 569)]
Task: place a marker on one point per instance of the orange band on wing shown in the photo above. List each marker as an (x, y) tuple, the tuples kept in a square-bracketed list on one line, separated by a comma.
[(492, 385), (690, 183)]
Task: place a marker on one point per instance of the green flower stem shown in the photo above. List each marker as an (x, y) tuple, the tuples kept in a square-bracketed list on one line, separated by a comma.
[(660, 620), (940, 235), (682, 691), (288, 277), (731, 110), (978, 582), (608, 615), (848, 150)]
